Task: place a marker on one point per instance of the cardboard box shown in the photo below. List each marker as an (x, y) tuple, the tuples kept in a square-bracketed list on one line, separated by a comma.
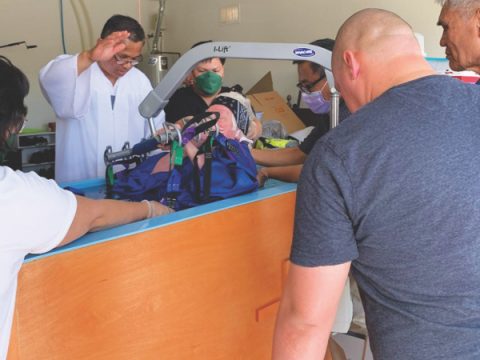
[(266, 100), (273, 107), (263, 85)]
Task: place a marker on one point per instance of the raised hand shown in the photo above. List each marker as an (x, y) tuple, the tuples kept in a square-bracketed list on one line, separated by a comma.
[(106, 48)]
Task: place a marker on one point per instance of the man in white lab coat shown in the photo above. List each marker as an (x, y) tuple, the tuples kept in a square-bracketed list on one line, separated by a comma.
[(95, 96)]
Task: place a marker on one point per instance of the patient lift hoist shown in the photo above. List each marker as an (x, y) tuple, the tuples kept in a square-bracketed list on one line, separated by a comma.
[(157, 99)]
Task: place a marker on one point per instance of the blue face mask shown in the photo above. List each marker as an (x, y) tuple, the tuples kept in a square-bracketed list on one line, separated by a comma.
[(316, 102)]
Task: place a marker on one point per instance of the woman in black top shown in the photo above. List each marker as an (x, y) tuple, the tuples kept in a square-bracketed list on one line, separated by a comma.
[(202, 85)]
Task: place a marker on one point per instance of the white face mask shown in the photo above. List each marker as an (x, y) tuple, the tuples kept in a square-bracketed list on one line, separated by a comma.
[(316, 101)]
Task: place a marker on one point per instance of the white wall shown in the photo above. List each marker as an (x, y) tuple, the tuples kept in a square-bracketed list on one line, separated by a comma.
[(189, 21)]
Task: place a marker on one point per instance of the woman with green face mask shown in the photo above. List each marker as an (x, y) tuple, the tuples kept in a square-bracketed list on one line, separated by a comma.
[(208, 83), (201, 87)]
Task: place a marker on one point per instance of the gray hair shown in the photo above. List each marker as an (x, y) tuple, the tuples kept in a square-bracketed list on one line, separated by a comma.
[(465, 7)]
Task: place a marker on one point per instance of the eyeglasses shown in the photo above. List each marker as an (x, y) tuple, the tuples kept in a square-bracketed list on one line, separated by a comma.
[(307, 87), (122, 61)]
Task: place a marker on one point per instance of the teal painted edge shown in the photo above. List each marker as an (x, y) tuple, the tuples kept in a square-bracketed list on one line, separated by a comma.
[(428, 58), (272, 188)]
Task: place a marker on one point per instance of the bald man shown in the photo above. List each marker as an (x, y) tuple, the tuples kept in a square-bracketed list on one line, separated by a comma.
[(391, 194)]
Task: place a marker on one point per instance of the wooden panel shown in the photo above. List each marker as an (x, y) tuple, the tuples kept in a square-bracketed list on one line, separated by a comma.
[(190, 290)]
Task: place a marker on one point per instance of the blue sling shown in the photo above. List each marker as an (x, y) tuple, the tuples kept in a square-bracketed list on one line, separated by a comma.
[(229, 170)]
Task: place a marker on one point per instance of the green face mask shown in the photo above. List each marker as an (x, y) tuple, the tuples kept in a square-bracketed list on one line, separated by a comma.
[(208, 83)]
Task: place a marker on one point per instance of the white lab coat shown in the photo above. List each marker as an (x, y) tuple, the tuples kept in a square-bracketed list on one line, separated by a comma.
[(86, 122)]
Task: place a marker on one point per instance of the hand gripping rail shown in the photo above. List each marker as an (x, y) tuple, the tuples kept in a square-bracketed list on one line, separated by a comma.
[(157, 99)]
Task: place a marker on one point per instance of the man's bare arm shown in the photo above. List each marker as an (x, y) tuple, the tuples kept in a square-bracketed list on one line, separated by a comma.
[(307, 311), (279, 157), (92, 215), (283, 173)]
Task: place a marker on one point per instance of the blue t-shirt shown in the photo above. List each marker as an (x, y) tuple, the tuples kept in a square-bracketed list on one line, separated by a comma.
[(322, 126), (395, 188)]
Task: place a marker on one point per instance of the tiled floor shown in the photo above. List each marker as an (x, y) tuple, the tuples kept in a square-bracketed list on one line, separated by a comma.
[(354, 347)]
